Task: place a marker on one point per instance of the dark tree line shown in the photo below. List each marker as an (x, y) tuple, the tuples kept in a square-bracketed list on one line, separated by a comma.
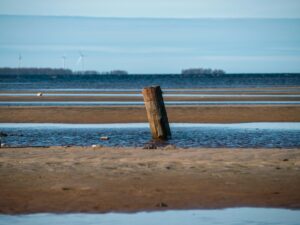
[(202, 71), (34, 71), (53, 72), (116, 72)]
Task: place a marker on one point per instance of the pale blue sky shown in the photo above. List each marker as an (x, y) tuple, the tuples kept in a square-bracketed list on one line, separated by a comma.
[(155, 8), (152, 45)]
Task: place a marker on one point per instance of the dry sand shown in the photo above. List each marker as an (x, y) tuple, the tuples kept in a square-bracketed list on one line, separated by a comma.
[(76, 179)]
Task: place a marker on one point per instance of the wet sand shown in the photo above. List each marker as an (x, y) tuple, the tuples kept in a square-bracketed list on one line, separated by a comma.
[(76, 179), (129, 114)]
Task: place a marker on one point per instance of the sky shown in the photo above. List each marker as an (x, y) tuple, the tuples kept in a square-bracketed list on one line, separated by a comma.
[(155, 8), (143, 38)]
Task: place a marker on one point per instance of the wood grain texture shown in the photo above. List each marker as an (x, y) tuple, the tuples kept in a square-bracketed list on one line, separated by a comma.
[(156, 113)]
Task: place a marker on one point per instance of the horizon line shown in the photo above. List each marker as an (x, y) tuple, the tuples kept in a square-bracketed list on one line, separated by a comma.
[(140, 73), (150, 18)]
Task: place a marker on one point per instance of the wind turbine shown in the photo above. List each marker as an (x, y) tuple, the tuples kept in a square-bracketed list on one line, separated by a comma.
[(64, 61), (81, 60), (20, 60)]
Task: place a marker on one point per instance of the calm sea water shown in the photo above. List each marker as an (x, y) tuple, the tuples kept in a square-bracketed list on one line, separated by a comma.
[(248, 135), (88, 82), (192, 136)]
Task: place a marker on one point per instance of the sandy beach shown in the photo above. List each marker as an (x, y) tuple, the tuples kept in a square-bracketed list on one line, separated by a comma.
[(77, 179), (130, 114), (102, 179), (134, 113), (110, 110)]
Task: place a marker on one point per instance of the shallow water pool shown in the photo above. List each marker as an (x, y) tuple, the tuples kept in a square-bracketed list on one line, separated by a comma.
[(244, 135), (232, 216)]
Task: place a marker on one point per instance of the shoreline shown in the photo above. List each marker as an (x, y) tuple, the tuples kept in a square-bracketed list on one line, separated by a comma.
[(85, 179), (67, 179)]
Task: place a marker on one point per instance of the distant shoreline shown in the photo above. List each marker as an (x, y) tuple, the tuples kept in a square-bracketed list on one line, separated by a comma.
[(8, 71)]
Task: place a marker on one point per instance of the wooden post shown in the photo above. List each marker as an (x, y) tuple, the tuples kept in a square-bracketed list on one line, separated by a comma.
[(156, 113)]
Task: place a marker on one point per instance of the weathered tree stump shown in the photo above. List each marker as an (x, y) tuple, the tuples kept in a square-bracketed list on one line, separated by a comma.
[(156, 113)]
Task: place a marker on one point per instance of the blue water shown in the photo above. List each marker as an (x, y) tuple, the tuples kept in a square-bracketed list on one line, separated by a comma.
[(131, 103), (140, 95), (86, 82), (232, 216), (169, 90), (247, 135)]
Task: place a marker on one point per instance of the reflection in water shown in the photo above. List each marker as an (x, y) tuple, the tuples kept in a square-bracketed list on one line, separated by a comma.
[(233, 216)]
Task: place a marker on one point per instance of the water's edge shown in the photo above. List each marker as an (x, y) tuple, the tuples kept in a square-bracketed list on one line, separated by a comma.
[(227, 216), (185, 135)]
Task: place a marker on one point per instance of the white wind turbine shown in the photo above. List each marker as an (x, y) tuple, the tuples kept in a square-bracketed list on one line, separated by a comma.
[(81, 60), (20, 60), (64, 61)]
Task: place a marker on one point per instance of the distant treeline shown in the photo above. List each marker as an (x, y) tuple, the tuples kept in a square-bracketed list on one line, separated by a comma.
[(116, 72), (53, 72), (92, 72), (202, 71), (34, 71)]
